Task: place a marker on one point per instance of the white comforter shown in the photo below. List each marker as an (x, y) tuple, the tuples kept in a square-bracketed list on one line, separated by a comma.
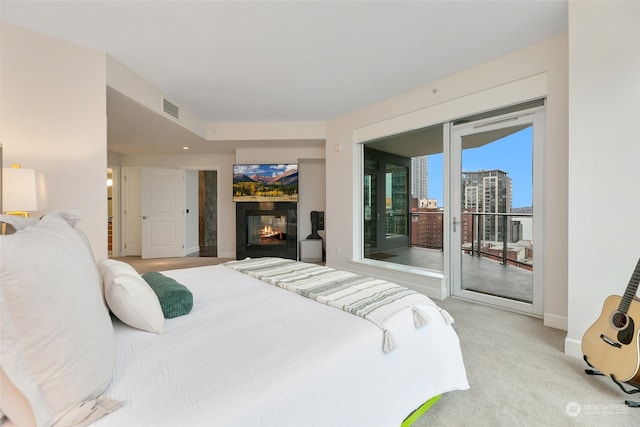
[(252, 354)]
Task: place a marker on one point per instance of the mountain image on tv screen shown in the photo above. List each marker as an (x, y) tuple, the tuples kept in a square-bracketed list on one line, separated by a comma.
[(265, 183)]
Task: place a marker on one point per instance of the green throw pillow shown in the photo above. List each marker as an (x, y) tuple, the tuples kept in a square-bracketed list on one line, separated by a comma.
[(175, 299)]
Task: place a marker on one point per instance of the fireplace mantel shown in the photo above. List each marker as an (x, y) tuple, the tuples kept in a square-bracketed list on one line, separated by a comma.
[(289, 248)]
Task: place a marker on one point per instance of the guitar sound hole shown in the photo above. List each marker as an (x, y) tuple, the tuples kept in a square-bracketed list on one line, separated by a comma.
[(625, 336), (619, 320)]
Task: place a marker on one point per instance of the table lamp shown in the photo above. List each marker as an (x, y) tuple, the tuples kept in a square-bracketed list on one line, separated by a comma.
[(23, 191)]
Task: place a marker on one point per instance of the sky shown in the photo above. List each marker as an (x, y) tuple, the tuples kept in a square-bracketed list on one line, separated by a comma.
[(511, 154), (263, 169)]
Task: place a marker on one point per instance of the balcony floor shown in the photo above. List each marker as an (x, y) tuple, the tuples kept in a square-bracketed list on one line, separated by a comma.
[(480, 274)]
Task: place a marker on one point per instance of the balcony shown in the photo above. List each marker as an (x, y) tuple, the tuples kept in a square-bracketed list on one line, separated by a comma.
[(497, 251)]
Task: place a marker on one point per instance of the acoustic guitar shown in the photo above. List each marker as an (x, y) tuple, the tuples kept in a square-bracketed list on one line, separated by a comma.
[(611, 343)]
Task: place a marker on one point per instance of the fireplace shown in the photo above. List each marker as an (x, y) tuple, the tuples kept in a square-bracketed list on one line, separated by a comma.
[(266, 229)]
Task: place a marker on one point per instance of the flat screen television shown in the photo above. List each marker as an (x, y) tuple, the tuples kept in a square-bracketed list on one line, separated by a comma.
[(265, 182)]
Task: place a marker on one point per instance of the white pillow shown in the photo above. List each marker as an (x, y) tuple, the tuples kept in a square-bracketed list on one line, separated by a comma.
[(55, 321), (18, 222), (15, 376), (129, 297)]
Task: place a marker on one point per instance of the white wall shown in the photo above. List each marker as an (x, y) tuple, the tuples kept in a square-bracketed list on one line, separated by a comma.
[(53, 119), (312, 190), (604, 153), (456, 96)]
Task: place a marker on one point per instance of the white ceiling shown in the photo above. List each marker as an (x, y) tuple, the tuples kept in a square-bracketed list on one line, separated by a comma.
[(241, 61)]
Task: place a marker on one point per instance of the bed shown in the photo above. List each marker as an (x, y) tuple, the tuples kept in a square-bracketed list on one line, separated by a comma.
[(251, 351)]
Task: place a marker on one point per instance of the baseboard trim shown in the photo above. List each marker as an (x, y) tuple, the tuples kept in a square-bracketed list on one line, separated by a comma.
[(193, 250), (555, 321), (573, 347)]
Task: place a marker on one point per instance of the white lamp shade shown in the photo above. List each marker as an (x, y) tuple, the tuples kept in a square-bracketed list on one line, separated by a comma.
[(23, 190)]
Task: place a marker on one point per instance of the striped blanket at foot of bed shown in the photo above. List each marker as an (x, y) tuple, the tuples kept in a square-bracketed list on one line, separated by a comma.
[(375, 300)]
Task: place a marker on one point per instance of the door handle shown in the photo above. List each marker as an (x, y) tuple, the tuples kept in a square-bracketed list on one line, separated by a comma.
[(144, 217), (454, 222)]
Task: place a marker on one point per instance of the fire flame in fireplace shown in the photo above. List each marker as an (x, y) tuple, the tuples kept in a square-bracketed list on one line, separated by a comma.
[(268, 232)]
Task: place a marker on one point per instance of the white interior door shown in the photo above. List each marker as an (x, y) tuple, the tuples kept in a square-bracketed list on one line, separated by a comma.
[(163, 207)]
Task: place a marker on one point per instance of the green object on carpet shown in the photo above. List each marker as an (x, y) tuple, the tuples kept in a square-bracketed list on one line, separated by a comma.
[(420, 411)]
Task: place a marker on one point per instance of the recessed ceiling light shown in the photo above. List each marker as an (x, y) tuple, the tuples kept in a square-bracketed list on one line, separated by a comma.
[(185, 148)]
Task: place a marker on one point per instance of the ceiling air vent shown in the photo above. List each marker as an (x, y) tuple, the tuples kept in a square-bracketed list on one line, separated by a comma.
[(170, 109)]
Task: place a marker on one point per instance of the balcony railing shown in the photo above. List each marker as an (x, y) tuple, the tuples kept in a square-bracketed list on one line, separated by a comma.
[(506, 237)]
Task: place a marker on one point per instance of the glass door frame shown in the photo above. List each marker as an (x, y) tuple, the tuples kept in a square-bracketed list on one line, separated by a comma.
[(384, 241), (453, 200)]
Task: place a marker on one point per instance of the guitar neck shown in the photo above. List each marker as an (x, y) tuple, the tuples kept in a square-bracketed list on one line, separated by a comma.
[(630, 292)]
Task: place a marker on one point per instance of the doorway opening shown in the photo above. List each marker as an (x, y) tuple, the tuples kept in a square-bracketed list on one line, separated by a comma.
[(110, 211), (198, 210), (113, 223), (208, 213)]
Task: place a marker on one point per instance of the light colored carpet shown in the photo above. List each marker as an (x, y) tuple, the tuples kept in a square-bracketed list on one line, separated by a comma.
[(518, 373), (519, 376)]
